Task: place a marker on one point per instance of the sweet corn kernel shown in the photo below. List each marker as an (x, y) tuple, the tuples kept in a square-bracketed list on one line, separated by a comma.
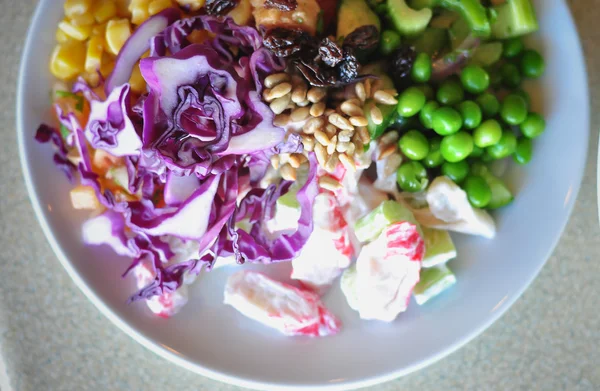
[(193, 5), (84, 197), (105, 10), (139, 11), (156, 6), (67, 60), (93, 78), (77, 7), (137, 82), (61, 37), (86, 19), (122, 8), (198, 36), (117, 32), (99, 29), (108, 64), (93, 57), (241, 13), (80, 33)]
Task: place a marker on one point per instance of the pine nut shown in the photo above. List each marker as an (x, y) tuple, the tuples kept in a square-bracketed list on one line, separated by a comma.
[(321, 154), (267, 95), (299, 114), (387, 151), (340, 122), (360, 91), (358, 121), (316, 94), (355, 101), (351, 149), (296, 160), (384, 98), (328, 183), (332, 163), (363, 133), (322, 138), (281, 120), (299, 93), (317, 109), (388, 138), (280, 90), (351, 109), (275, 161), (332, 144), (276, 78), (279, 105), (330, 130), (288, 172), (376, 115), (348, 162), (308, 143), (313, 125), (342, 146), (304, 103), (345, 135)]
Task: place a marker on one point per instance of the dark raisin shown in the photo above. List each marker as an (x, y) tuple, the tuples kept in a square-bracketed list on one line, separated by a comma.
[(282, 5), (363, 38), (219, 7), (330, 53), (348, 69), (401, 63), (284, 42), (317, 74)]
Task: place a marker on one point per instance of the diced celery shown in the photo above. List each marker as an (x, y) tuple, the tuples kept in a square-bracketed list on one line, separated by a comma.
[(408, 21), (370, 226), (432, 41), (458, 32), (439, 247), (514, 18), (433, 281), (474, 14), (487, 54)]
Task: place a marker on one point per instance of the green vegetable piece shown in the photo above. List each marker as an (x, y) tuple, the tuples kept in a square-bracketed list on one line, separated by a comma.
[(487, 54), (477, 152), (388, 112), (456, 171), (353, 14), (439, 247), (457, 146), (523, 151), (489, 104), (510, 75), (434, 158), (427, 90), (475, 79), (414, 145), (390, 41), (426, 113), (458, 32), (64, 132), (473, 12), (421, 70), (514, 18), (532, 64), (512, 47), (407, 21), (432, 41), (412, 177), (478, 191), (446, 121), (433, 281), (501, 195), (450, 92), (514, 109), (369, 227), (410, 102), (504, 147), (471, 114), (533, 126), (487, 134)]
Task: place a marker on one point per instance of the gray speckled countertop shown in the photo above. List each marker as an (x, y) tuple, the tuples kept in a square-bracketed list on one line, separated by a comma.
[(52, 338)]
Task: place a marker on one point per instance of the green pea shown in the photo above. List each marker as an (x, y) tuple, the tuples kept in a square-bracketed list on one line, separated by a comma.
[(510, 75), (478, 191), (412, 177), (514, 109), (450, 92), (475, 79), (446, 121), (427, 90), (471, 114), (487, 134), (421, 69), (457, 146), (523, 94), (532, 64), (523, 151), (434, 158), (456, 171), (504, 147), (533, 126), (477, 152), (389, 42), (410, 102), (426, 113), (512, 47), (414, 145), (489, 104)]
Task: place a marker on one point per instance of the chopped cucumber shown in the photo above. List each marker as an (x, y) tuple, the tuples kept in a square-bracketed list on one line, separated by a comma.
[(370, 226), (408, 21), (433, 282), (514, 19), (439, 247)]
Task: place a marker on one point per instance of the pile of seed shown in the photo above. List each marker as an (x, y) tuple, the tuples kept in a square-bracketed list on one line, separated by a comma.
[(332, 123)]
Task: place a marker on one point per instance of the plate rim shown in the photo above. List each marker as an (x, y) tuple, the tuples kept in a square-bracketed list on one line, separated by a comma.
[(197, 368)]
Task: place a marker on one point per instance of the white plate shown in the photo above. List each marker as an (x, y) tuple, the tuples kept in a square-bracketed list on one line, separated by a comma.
[(214, 340)]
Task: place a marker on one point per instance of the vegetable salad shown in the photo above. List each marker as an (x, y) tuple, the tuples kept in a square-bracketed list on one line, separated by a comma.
[(347, 137)]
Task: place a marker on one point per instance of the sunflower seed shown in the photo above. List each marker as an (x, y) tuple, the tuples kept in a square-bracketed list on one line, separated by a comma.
[(279, 105), (348, 162), (288, 172), (299, 93), (322, 138), (316, 94), (299, 114), (281, 120), (385, 98), (276, 78), (340, 122), (360, 91), (308, 143), (376, 115), (351, 109), (328, 183), (321, 154), (317, 109), (359, 121), (313, 124)]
